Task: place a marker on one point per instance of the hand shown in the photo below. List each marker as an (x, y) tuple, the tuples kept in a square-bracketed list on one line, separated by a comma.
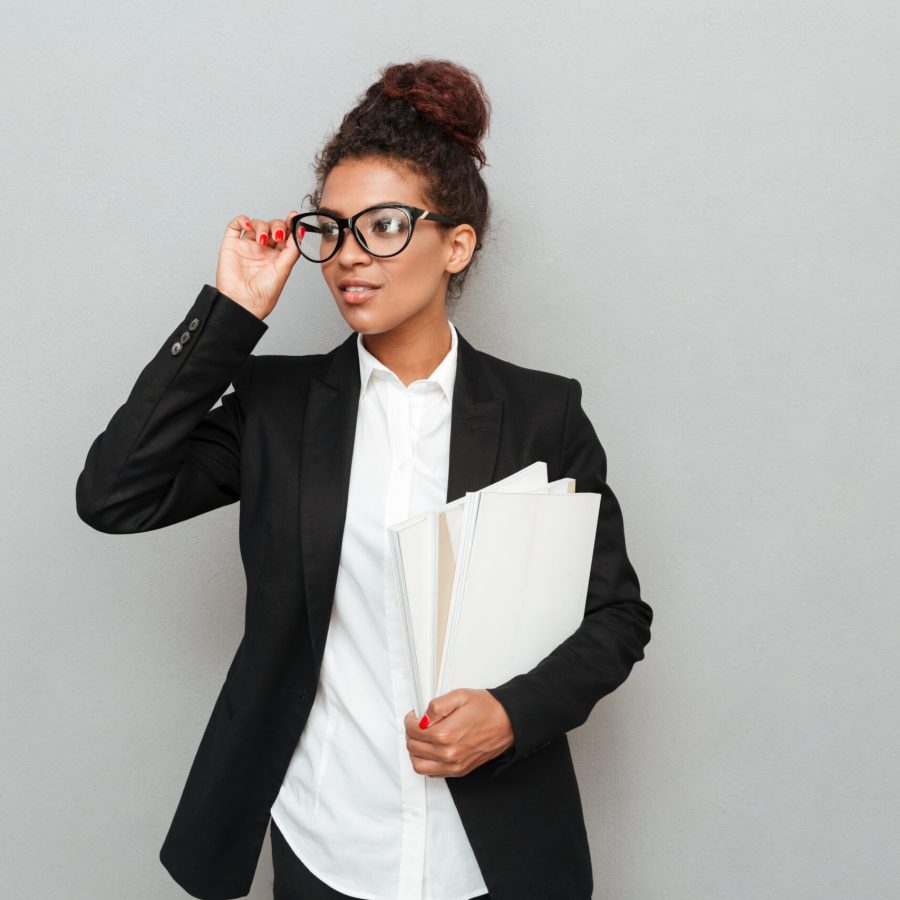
[(466, 728), (253, 271)]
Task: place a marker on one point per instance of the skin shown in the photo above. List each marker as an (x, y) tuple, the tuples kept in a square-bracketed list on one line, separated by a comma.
[(405, 326), (465, 728)]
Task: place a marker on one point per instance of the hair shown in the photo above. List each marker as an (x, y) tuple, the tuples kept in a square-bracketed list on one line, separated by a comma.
[(429, 115)]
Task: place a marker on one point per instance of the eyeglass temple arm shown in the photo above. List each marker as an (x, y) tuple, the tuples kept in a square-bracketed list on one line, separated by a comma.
[(437, 217)]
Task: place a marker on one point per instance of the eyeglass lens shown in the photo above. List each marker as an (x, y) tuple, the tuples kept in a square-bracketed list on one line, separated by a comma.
[(383, 232)]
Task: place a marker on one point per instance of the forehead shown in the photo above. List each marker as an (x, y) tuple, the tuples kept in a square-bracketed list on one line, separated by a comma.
[(354, 184)]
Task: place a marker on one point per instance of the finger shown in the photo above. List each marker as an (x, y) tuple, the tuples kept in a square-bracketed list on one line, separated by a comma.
[(289, 254), (237, 225), (286, 224), (415, 725), (443, 705), (256, 230), (411, 724), (425, 737), (426, 766), (281, 229), (260, 228), (434, 766), (425, 750), (278, 231)]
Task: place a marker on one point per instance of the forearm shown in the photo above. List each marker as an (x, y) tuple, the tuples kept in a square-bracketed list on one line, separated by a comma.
[(559, 693), (163, 444)]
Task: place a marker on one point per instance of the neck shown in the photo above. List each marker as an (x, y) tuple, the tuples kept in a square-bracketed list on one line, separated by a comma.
[(413, 350)]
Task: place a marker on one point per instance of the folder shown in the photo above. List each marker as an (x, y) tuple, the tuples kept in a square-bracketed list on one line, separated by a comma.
[(489, 584)]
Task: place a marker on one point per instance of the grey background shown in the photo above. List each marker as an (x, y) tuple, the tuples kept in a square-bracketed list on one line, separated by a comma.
[(696, 215)]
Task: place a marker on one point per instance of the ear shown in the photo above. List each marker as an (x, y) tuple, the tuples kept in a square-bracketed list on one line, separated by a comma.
[(461, 241)]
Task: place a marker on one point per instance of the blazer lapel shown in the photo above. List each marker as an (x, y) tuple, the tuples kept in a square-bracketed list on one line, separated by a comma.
[(326, 452), (474, 424), (326, 455)]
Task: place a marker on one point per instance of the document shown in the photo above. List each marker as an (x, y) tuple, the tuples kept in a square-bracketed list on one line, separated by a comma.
[(489, 584)]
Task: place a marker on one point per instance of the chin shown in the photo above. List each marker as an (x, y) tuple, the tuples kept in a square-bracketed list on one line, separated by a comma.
[(359, 318)]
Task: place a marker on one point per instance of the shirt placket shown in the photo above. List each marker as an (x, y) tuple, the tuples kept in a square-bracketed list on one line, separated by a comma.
[(402, 408)]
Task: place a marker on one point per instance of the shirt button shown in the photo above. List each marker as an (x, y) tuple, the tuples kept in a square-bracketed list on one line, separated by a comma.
[(185, 337), (176, 348), (194, 324)]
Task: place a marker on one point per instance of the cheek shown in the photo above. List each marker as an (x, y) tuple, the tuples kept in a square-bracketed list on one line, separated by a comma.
[(421, 268), (406, 275)]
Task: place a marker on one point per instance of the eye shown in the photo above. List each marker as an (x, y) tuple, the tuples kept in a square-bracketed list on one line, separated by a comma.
[(388, 225)]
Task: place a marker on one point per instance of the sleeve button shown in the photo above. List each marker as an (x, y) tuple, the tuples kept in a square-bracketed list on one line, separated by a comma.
[(185, 337), (176, 348), (194, 324)]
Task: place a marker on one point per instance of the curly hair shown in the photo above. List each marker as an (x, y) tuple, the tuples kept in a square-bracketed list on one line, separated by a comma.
[(431, 116)]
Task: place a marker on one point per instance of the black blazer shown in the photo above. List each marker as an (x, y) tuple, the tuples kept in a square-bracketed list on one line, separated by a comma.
[(281, 442)]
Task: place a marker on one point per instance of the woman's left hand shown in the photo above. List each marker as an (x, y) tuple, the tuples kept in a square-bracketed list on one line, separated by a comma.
[(466, 728)]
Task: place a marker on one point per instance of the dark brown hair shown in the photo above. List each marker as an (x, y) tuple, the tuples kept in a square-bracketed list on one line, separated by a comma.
[(430, 115)]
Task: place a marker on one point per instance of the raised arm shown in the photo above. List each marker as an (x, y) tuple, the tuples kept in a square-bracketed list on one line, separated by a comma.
[(165, 455)]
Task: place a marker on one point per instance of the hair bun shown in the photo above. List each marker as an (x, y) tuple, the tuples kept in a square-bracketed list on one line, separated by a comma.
[(447, 94)]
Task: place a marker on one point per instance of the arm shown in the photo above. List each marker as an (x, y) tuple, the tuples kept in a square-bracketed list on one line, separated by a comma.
[(165, 456), (559, 693)]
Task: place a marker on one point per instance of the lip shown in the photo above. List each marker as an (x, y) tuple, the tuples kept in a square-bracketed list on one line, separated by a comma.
[(356, 297), (356, 282)]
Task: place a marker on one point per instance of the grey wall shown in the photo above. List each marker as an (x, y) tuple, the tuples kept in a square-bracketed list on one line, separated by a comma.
[(697, 215)]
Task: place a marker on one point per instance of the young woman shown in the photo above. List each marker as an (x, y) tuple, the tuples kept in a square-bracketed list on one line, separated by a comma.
[(313, 729)]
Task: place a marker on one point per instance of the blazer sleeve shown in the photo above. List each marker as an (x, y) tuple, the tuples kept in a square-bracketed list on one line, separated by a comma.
[(559, 693), (165, 455)]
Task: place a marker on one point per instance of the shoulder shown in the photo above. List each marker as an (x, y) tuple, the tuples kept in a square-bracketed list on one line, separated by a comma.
[(513, 381)]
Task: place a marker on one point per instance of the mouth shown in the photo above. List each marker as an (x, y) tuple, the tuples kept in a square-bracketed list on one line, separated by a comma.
[(356, 294)]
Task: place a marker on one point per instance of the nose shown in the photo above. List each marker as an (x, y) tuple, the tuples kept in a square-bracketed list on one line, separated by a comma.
[(351, 250)]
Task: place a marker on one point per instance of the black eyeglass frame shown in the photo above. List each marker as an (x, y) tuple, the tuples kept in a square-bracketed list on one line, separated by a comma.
[(414, 212)]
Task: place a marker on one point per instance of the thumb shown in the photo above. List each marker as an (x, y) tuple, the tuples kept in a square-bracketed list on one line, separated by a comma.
[(441, 707), (289, 254)]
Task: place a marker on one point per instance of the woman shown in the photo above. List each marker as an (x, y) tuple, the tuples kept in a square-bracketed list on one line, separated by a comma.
[(312, 733)]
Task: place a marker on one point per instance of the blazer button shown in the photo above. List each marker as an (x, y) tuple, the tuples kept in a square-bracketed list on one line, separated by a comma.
[(176, 348), (185, 337), (194, 324)]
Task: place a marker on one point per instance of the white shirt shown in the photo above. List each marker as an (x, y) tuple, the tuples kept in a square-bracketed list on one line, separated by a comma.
[(351, 806)]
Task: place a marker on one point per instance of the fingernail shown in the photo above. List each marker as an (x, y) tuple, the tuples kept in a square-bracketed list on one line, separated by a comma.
[(264, 239), (424, 721), (302, 232), (246, 225), (279, 235)]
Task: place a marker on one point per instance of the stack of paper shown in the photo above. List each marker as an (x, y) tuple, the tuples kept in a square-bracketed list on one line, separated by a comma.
[(489, 584)]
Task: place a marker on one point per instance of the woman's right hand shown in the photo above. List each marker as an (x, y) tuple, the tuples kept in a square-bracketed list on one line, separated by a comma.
[(253, 271)]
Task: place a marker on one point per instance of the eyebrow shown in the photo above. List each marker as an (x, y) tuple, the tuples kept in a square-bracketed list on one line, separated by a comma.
[(334, 212)]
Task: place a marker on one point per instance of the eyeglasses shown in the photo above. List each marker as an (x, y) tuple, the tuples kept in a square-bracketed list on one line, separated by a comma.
[(381, 230)]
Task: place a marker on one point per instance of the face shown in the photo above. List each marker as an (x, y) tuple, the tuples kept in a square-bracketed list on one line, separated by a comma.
[(412, 285)]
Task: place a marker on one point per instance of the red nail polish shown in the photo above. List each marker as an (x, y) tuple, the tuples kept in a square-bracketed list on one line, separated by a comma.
[(424, 721), (279, 235), (264, 239), (247, 225), (302, 232)]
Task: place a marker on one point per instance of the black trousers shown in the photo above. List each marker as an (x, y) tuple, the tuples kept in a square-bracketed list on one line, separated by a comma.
[(293, 881)]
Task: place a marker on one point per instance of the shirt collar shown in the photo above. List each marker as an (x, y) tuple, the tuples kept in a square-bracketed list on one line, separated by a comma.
[(444, 374)]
